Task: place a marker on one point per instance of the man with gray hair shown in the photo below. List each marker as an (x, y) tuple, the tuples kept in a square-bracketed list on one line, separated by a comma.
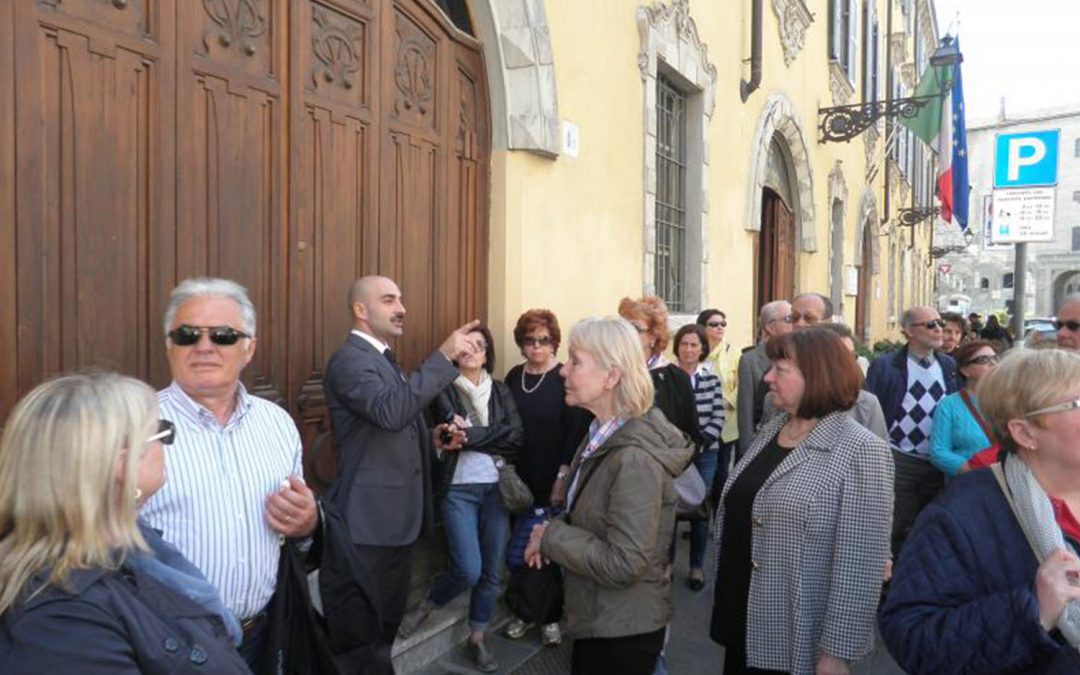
[(234, 485), (774, 319), (808, 309), (1068, 323), (909, 384)]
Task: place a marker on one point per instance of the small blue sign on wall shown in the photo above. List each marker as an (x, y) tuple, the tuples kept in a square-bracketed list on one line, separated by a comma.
[(1027, 159)]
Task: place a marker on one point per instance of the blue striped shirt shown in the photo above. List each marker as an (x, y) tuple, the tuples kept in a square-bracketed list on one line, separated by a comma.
[(213, 504)]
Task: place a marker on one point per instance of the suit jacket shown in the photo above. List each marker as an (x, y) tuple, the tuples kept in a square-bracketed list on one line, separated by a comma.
[(821, 525), (751, 398), (383, 486), (887, 379)]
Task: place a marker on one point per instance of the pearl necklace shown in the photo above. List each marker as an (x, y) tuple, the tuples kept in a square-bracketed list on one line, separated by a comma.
[(536, 386)]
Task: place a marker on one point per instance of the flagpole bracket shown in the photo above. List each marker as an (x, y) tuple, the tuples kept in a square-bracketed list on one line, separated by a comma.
[(914, 216), (942, 251), (845, 122)]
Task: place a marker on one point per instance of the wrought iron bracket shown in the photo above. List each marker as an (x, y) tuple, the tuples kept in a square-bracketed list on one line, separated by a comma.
[(845, 122), (912, 217), (942, 251)]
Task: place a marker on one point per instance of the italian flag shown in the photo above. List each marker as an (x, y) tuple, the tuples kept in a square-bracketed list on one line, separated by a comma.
[(940, 123)]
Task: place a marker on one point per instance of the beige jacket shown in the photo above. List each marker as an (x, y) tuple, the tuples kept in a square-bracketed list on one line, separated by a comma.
[(615, 552)]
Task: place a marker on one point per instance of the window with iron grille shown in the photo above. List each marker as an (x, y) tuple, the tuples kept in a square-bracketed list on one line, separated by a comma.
[(670, 194)]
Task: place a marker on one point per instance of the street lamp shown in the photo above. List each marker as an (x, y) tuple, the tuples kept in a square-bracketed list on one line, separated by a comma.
[(845, 122)]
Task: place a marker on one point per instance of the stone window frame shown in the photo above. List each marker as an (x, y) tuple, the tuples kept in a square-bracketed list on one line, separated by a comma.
[(670, 44)]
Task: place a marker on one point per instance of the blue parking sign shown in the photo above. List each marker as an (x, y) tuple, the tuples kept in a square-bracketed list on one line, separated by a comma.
[(1027, 159)]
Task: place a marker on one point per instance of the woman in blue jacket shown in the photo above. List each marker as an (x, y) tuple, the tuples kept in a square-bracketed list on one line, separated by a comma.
[(958, 420), (84, 588), (988, 580)]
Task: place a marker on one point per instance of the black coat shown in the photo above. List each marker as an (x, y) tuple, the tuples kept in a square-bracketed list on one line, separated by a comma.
[(675, 398), (121, 622), (502, 436)]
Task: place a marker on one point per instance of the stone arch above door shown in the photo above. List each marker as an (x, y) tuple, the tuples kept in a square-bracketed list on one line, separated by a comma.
[(868, 217), (521, 74), (779, 119)]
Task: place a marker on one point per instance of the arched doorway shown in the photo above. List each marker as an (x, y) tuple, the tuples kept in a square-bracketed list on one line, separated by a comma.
[(866, 283), (289, 145), (775, 251)]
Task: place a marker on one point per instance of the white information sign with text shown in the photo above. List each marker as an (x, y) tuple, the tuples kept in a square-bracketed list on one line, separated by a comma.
[(1022, 215)]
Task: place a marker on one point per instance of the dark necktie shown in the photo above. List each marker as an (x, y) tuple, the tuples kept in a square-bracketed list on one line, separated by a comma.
[(393, 361)]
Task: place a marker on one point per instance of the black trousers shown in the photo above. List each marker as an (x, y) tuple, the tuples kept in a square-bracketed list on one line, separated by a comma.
[(629, 655), (915, 484), (391, 566)]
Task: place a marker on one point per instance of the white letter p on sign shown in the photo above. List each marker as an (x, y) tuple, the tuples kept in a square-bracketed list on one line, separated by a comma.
[(1016, 160)]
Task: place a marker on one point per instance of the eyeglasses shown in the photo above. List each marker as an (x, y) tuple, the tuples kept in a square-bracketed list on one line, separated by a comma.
[(1071, 325), (717, 324), (984, 360), (536, 342), (932, 324), (1060, 407), (786, 319), (166, 433), (481, 345), (185, 335)]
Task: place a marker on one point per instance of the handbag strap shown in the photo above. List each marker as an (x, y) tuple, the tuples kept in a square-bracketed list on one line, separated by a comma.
[(966, 398), (999, 473)]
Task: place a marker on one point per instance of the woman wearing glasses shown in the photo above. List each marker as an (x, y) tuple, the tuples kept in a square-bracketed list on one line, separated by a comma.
[(484, 417), (553, 429), (83, 587), (960, 429), (723, 361), (987, 581)]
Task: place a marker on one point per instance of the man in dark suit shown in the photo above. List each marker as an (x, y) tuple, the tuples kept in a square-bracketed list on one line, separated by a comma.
[(383, 487)]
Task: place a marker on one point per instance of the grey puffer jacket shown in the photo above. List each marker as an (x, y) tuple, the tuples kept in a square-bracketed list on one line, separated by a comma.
[(616, 551)]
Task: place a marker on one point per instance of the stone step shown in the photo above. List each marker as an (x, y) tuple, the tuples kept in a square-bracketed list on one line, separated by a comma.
[(441, 635)]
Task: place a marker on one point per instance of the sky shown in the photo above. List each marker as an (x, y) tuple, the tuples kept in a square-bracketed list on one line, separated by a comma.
[(1025, 50)]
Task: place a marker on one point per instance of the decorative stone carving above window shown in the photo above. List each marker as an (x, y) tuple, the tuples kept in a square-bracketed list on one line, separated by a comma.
[(793, 19), (907, 75), (899, 40), (870, 139), (839, 85)]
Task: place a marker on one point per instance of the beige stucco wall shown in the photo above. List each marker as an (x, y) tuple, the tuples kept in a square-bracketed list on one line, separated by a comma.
[(567, 233)]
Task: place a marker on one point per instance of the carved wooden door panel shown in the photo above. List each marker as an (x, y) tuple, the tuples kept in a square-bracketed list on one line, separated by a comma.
[(785, 252), (87, 93), (230, 162), (775, 254), (862, 301)]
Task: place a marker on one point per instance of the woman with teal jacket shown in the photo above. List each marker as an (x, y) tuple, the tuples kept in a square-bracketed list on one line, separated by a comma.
[(958, 426)]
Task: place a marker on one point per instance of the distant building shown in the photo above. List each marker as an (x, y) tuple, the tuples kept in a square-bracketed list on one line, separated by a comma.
[(981, 279)]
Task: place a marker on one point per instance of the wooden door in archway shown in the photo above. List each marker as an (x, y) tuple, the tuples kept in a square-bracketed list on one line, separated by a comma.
[(291, 145), (866, 285), (774, 259)]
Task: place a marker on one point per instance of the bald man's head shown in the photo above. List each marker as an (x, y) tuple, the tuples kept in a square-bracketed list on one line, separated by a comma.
[(376, 307)]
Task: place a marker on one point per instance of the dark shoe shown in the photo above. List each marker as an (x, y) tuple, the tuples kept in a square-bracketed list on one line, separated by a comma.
[(414, 620), (483, 659), (696, 580)]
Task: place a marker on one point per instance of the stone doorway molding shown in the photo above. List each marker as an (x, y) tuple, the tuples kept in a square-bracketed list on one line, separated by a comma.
[(868, 218), (780, 119), (670, 44), (838, 201), (521, 74)]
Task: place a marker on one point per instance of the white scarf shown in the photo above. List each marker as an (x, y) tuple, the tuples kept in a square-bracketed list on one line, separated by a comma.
[(476, 397), (1036, 516)]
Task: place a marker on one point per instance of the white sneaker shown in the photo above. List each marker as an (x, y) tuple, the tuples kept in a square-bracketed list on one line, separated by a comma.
[(517, 628), (550, 634)]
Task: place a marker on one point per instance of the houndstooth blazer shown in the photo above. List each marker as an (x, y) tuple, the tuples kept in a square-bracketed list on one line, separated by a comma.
[(821, 525)]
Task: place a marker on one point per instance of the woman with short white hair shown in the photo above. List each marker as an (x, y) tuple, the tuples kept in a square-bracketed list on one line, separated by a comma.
[(612, 541), (82, 585), (988, 579)]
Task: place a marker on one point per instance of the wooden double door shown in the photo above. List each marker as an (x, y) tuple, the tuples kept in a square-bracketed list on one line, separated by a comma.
[(290, 145), (774, 254)]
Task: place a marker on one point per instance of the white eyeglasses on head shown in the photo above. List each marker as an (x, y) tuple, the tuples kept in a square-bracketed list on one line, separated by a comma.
[(1059, 407)]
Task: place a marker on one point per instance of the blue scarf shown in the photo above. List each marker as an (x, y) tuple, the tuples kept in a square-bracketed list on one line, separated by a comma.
[(168, 566)]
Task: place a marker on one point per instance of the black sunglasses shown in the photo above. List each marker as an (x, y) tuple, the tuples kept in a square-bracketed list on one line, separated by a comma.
[(717, 324), (1072, 325), (536, 342), (185, 335), (932, 324), (166, 433)]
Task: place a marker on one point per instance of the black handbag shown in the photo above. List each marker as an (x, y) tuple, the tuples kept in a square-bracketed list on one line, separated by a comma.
[(515, 494)]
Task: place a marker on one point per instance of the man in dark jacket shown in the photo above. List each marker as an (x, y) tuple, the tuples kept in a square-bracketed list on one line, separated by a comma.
[(383, 486), (775, 319), (909, 383)]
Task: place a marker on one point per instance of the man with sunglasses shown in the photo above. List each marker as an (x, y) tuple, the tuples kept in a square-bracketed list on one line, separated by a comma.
[(808, 309), (774, 319), (383, 487), (1068, 324), (235, 470), (909, 384)]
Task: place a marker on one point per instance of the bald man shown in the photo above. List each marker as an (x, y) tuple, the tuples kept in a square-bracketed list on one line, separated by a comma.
[(383, 444)]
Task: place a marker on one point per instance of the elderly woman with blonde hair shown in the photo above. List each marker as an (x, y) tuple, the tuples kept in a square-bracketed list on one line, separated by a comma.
[(84, 587), (989, 580), (612, 541)]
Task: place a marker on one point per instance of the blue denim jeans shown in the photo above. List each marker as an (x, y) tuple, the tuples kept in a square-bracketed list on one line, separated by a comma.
[(477, 531), (699, 530)]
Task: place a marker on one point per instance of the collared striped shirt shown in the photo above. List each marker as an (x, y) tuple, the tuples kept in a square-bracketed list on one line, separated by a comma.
[(213, 504), (598, 435)]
